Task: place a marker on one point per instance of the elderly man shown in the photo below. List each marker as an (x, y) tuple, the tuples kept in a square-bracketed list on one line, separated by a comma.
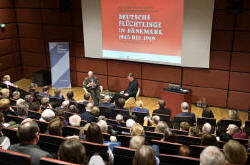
[(87, 115), (107, 103), (91, 83), (212, 155), (235, 132), (185, 111)]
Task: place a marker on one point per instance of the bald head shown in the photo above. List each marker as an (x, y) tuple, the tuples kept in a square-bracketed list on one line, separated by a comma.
[(28, 132), (184, 107)]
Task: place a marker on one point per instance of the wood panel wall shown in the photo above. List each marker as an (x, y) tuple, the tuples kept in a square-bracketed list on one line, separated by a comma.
[(225, 84)]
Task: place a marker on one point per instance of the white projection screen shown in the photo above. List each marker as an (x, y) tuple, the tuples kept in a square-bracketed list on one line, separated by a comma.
[(169, 32)]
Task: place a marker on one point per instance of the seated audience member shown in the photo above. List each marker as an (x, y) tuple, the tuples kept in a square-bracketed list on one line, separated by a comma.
[(101, 118), (169, 136), (64, 106), (73, 109), (103, 126), (184, 150), (95, 111), (5, 108), (136, 142), (86, 98), (161, 127), (87, 116), (32, 88), (185, 111), (45, 92), (6, 81), (45, 104), (194, 131), (47, 115), (22, 111), (62, 116), (16, 95), (152, 122), (55, 127), (119, 118), (120, 103), (208, 140), (137, 130), (207, 128), (4, 140), (130, 123), (72, 151), (70, 97), (94, 134), (212, 155), (235, 132), (162, 109), (184, 126), (96, 160), (29, 100), (145, 155), (107, 103), (5, 93), (207, 113), (83, 130), (75, 120), (233, 114), (20, 102), (140, 107), (58, 95), (28, 134), (235, 153)]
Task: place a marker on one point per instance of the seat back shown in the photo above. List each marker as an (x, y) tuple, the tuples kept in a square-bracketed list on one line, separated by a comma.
[(106, 111), (153, 135), (196, 150), (34, 115), (163, 117), (70, 131), (16, 119), (188, 140), (177, 160), (202, 120), (81, 107), (50, 143), (124, 139), (140, 116), (14, 158), (179, 132), (167, 147), (43, 125), (149, 128), (93, 148), (49, 161), (123, 154), (11, 134), (178, 120), (123, 112), (55, 102)]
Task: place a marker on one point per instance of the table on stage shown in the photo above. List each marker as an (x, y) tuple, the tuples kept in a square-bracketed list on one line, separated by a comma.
[(174, 98)]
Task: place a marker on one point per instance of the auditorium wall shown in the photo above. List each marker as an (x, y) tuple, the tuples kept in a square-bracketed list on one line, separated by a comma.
[(225, 84), (10, 59)]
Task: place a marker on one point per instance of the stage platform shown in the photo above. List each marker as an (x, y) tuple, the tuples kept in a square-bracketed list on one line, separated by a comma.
[(150, 103)]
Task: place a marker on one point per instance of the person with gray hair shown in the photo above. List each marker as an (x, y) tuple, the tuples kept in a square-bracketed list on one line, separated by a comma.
[(235, 132), (47, 115), (87, 115), (16, 95), (119, 118), (212, 155), (103, 125), (91, 84), (207, 128), (107, 103), (75, 120), (185, 111), (22, 110), (136, 142)]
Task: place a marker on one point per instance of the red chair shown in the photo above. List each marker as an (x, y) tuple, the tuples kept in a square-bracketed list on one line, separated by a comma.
[(178, 160), (50, 143), (188, 140), (49, 161), (124, 139), (123, 154), (14, 158), (167, 147), (70, 131), (34, 115), (11, 134)]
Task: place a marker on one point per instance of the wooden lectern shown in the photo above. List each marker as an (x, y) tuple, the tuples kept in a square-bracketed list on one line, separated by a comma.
[(174, 98)]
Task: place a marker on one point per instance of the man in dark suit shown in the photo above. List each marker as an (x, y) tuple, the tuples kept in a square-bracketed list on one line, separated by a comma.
[(87, 115), (131, 91), (185, 111), (107, 103), (28, 134), (162, 109), (91, 83)]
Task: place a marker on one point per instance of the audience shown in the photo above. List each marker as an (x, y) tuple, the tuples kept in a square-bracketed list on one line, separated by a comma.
[(162, 109), (16, 95), (107, 102), (45, 92), (86, 98), (87, 115), (75, 120), (55, 127), (5, 107), (130, 123), (235, 153), (28, 134), (70, 97), (185, 111), (207, 128), (169, 136), (72, 151), (136, 142), (152, 122), (73, 109), (120, 103), (208, 140), (212, 155), (95, 111), (119, 119), (5, 93), (45, 104), (94, 134), (145, 156), (58, 95), (235, 132), (184, 126), (207, 113), (47, 115), (22, 110)]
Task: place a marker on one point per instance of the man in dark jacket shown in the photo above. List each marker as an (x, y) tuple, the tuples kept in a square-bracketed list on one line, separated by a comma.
[(87, 115), (28, 134), (162, 109), (131, 91)]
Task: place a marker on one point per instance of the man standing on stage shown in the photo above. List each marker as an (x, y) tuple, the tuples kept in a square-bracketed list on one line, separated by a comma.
[(91, 83), (130, 91)]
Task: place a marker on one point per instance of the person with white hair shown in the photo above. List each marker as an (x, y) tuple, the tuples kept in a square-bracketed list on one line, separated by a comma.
[(47, 115), (119, 118), (87, 115), (5, 93), (20, 102), (6, 81), (212, 155), (234, 131), (16, 95), (107, 102), (75, 120), (130, 123), (185, 111), (91, 84), (103, 125), (207, 128)]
